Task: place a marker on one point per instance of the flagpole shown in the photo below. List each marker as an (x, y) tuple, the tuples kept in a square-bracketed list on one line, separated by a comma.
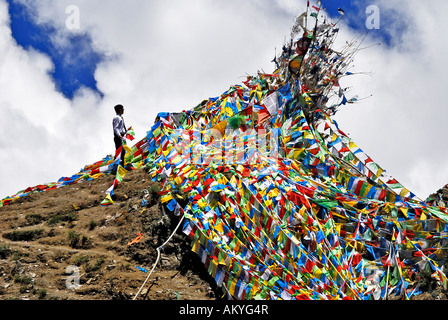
[(306, 17), (387, 282), (314, 35)]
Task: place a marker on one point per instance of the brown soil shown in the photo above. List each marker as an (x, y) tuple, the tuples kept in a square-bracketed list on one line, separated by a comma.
[(43, 234)]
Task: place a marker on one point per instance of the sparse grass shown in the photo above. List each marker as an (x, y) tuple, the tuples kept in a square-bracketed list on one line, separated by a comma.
[(5, 251), (73, 237), (24, 235), (81, 260), (92, 224), (76, 240), (84, 260), (62, 217), (16, 255), (25, 280), (98, 263), (154, 190), (41, 294), (33, 218)]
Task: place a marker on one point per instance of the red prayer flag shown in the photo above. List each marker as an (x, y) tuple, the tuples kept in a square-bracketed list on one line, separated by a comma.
[(118, 152)]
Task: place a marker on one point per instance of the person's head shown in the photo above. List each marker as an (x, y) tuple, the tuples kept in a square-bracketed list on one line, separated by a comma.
[(119, 109)]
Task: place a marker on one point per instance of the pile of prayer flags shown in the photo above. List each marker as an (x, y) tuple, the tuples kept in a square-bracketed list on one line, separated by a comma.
[(280, 203)]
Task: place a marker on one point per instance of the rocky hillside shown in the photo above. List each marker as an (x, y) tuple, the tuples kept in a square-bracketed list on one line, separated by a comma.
[(47, 239)]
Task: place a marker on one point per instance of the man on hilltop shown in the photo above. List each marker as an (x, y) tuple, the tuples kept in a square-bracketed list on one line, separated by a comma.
[(119, 131)]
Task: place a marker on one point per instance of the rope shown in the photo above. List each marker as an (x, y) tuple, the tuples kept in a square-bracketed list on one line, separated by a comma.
[(158, 258)]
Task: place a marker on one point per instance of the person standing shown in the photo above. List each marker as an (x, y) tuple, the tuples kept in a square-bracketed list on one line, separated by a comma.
[(119, 131)]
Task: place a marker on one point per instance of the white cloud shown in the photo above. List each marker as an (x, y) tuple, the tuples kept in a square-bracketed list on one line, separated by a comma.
[(170, 55), (402, 126), (161, 56)]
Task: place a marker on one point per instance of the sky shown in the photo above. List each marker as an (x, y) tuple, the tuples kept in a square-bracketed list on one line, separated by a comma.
[(64, 64)]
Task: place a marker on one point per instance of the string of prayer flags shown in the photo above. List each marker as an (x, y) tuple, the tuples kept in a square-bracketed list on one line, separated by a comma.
[(310, 217)]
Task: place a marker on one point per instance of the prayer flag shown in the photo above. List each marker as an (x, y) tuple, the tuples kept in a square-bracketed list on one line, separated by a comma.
[(108, 201)]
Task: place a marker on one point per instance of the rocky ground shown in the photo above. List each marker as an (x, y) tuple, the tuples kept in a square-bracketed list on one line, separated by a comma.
[(54, 240)]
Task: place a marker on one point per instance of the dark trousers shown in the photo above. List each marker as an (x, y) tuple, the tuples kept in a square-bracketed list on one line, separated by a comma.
[(119, 143)]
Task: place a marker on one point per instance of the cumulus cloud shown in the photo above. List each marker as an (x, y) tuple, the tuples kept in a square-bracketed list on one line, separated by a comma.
[(402, 125), (170, 55), (157, 56)]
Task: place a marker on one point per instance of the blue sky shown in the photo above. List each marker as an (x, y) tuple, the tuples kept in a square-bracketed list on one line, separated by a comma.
[(74, 64), (355, 16)]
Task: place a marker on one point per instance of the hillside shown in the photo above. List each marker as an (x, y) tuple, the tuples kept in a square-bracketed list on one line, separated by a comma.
[(42, 234)]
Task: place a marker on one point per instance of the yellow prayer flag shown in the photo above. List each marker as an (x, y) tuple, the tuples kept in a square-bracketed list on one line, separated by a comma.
[(126, 147), (96, 176), (166, 198), (423, 216), (352, 145), (196, 247), (317, 273), (378, 173), (219, 227), (307, 135), (215, 267), (297, 152), (388, 207), (229, 112), (202, 203), (165, 152), (338, 228), (232, 287), (237, 246), (334, 137), (192, 173), (273, 193), (404, 192), (178, 180), (121, 171), (369, 186), (404, 211), (222, 180)]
